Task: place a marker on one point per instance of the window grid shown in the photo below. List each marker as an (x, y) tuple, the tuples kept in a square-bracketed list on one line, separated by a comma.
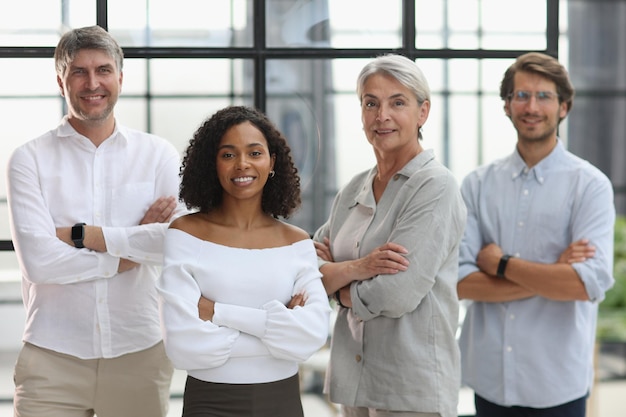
[(259, 55)]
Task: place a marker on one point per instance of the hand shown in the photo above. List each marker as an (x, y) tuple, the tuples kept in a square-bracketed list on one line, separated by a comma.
[(160, 211), (578, 251), (488, 259), (65, 234), (206, 309), (323, 250), (126, 265), (297, 300), (386, 259)]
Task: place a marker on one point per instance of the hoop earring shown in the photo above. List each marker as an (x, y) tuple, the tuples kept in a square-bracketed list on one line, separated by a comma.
[(272, 173)]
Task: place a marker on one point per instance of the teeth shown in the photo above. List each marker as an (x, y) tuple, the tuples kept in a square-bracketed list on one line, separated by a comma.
[(242, 179)]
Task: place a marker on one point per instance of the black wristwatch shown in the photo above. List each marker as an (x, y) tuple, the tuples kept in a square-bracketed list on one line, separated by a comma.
[(502, 266), (78, 234)]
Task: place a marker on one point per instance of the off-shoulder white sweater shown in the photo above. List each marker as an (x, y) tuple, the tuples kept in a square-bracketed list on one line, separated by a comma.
[(253, 337)]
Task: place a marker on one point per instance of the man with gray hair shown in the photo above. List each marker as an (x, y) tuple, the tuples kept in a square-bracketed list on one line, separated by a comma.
[(89, 204)]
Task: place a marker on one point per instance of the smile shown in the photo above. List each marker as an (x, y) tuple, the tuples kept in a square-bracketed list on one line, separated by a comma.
[(93, 98), (243, 179)]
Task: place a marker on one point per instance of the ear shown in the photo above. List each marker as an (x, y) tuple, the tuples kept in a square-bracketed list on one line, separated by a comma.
[(424, 111), (563, 110), (121, 79), (61, 88), (273, 161), (507, 108)]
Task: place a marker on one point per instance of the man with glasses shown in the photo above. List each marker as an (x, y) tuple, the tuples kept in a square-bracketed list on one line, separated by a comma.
[(536, 258)]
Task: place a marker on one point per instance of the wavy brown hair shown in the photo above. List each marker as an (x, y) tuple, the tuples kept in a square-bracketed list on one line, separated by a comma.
[(200, 187)]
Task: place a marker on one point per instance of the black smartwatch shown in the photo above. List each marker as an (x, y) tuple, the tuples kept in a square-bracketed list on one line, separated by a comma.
[(78, 234), (502, 266)]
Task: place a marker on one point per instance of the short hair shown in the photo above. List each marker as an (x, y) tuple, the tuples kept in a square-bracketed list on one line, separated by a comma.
[(545, 66), (90, 37), (200, 187), (403, 69)]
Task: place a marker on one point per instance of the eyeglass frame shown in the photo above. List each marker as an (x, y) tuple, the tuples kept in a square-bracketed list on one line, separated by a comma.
[(542, 97)]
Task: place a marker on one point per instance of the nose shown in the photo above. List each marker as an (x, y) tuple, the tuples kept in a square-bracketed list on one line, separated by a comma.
[(242, 162), (92, 81), (382, 113), (533, 102)]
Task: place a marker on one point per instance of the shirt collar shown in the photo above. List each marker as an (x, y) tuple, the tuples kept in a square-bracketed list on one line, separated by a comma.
[(366, 195), (539, 171), (67, 130)]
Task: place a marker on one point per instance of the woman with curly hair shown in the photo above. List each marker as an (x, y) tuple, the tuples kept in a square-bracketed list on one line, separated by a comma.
[(242, 302)]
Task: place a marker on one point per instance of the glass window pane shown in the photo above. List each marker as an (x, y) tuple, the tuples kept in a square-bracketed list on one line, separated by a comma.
[(324, 23), (486, 24), (299, 102), (513, 25), (198, 76), (464, 132), (293, 23), (176, 119), (498, 135), (22, 127), (184, 23), (34, 76), (132, 112), (9, 269), (40, 22), (492, 71), (135, 77)]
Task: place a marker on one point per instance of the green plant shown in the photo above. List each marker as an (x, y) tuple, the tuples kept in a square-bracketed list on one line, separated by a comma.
[(612, 315)]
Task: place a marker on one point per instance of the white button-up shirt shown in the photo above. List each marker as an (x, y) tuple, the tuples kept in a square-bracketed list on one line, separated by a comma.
[(76, 302)]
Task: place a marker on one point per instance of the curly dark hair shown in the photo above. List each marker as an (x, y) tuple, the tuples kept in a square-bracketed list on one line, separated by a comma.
[(200, 187)]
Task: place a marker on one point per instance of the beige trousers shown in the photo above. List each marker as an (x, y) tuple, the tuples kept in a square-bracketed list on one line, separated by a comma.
[(51, 384)]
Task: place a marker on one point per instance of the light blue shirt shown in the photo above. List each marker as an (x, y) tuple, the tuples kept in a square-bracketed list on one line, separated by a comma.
[(536, 352)]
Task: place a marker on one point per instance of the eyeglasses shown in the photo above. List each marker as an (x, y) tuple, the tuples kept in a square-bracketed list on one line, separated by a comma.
[(542, 97)]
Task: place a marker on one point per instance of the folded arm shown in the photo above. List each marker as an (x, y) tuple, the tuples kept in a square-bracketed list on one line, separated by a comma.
[(524, 279)]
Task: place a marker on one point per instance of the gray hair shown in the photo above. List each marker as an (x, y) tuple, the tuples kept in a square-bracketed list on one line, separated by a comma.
[(91, 37), (404, 70)]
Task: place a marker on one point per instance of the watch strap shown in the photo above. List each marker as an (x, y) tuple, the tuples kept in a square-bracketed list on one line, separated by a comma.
[(502, 266), (78, 235)]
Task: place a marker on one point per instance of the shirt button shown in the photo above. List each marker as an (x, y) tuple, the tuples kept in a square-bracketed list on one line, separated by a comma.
[(525, 192), (509, 349), (512, 316), (396, 177), (356, 245), (358, 358)]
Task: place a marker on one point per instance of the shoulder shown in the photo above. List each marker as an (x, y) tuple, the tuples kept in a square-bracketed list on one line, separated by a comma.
[(292, 234), (582, 166), (39, 147), (187, 223), (138, 137)]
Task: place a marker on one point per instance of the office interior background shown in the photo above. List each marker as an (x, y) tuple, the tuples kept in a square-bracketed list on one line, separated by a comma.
[(298, 60)]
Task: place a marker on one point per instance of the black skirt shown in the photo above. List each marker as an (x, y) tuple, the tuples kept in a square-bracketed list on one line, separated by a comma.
[(271, 399)]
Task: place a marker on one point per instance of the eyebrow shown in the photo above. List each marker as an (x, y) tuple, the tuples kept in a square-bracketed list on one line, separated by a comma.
[(73, 66), (251, 145), (390, 97)]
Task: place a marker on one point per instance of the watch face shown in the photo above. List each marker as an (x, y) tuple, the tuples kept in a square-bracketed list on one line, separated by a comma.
[(77, 232)]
